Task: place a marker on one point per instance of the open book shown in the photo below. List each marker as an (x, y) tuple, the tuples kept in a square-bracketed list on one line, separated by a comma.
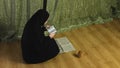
[(51, 29), (64, 45)]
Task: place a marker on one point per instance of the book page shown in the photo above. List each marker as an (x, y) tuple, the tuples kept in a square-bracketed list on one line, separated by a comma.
[(64, 45), (52, 29)]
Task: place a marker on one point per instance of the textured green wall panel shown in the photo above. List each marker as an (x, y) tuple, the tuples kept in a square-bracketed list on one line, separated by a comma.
[(81, 12)]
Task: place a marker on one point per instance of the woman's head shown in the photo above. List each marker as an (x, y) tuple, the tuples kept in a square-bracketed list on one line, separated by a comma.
[(44, 15)]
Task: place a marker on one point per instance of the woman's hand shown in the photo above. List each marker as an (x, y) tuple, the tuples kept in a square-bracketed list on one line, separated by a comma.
[(51, 35)]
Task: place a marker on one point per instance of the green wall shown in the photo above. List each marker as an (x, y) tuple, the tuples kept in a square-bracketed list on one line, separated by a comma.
[(64, 14)]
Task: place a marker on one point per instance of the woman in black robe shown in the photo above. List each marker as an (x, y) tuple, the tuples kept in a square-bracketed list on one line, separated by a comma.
[(36, 47)]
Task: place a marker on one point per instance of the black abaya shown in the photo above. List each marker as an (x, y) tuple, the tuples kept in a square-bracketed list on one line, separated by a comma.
[(36, 47)]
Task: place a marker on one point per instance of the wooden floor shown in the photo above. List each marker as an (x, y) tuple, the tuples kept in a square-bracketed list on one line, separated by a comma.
[(99, 44)]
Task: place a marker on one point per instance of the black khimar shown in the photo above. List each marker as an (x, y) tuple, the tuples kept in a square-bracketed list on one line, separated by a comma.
[(36, 47)]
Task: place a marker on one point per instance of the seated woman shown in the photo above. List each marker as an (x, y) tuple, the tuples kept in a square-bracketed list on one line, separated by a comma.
[(36, 47)]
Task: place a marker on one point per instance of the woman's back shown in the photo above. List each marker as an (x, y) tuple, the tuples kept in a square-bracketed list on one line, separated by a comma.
[(35, 46)]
